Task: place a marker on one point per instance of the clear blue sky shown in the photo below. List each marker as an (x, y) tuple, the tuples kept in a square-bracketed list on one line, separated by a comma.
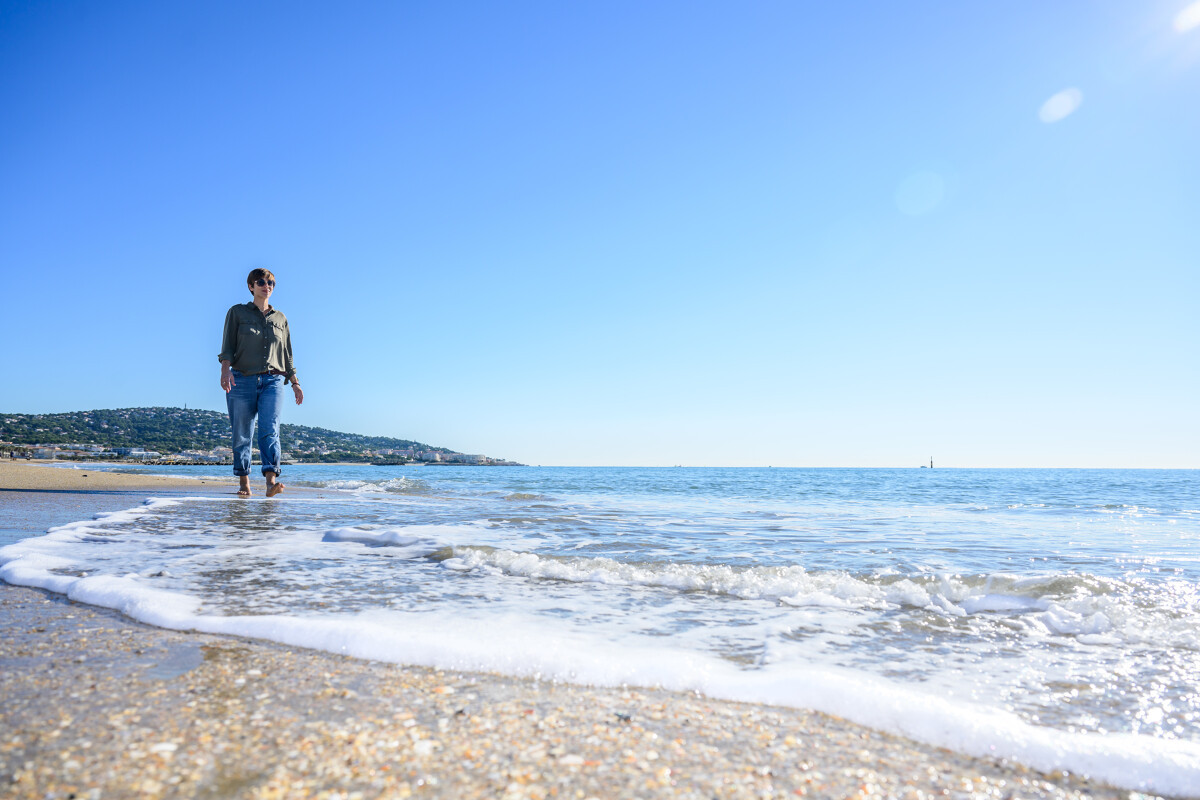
[(767, 233)]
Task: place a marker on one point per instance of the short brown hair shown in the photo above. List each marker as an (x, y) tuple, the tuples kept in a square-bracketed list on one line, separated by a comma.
[(256, 274)]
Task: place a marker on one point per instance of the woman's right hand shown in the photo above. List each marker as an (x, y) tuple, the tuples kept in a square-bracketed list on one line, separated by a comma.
[(227, 382)]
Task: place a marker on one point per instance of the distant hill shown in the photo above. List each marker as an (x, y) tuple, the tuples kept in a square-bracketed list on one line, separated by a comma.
[(171, 430)]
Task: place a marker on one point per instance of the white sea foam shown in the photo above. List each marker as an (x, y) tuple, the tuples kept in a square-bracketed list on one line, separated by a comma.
[(55, 545), (117, 517), (406, 542), (1035, 603), (780, 583), (629, 590), (518, 645), (400, 485), (346, 485)]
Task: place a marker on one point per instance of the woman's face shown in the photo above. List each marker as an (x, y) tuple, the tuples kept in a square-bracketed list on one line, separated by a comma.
[(262, 288)]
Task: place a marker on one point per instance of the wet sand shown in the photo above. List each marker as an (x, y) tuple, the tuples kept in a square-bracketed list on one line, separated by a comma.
[(35, 477), (94, 705)]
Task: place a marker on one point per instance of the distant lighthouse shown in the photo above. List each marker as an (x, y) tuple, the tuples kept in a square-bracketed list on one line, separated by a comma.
[(931, 462)]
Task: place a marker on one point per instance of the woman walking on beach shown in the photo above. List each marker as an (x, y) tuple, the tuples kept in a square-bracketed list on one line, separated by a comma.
[(256, 364)]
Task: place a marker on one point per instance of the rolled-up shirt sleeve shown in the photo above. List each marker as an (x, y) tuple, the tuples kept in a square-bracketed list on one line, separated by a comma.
[(289, 368), (229, 337)]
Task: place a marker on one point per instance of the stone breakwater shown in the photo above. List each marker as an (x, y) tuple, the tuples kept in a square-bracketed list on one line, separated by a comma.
[(97, 706)]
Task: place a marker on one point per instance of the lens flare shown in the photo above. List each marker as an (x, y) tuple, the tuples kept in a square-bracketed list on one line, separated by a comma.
[(1061, 105)]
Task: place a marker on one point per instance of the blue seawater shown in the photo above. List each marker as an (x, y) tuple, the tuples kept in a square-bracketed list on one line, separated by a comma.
[(1048, 616)]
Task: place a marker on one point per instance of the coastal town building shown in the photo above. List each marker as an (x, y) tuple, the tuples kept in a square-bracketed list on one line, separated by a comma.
[(197, 436)]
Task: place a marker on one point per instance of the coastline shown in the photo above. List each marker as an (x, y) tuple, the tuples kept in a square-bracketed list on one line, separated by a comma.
[(20, 476), (140, 710), (39, 477), (162, 713)]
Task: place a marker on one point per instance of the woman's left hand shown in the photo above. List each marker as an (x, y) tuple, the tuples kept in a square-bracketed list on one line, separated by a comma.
[(299, 393)]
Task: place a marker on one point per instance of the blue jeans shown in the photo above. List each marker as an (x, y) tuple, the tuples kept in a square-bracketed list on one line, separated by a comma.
[(251, 396)]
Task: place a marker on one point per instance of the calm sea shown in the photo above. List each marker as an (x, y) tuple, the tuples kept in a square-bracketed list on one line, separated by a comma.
[(1050, 616)]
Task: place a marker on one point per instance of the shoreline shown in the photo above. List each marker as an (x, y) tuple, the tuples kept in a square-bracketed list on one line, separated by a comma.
[(99, 705), (163, 713), (27, 477), (20, 476)]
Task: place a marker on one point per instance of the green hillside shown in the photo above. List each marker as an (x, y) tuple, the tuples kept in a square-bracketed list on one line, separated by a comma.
[(171, 430)]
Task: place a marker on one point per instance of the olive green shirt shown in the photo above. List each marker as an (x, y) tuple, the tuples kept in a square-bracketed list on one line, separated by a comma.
[(255, 342)]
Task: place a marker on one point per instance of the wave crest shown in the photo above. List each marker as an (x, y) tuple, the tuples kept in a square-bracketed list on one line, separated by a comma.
[(1094, 610)]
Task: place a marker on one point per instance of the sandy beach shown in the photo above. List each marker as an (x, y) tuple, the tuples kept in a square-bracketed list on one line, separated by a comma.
[(94, 705), (28, 476)]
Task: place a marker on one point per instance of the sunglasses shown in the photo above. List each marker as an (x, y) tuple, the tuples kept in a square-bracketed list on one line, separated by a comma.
[(264, 282)]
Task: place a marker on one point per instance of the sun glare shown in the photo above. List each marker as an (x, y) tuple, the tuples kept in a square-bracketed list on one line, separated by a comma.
[(1188, 18), (1061, 105)]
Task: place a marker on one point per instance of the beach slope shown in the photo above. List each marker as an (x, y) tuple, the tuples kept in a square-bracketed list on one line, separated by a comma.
[(27, 477), (95, 705)]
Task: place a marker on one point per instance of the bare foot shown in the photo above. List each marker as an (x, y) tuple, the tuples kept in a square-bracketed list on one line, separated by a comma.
[(274, 489), (243, 492), (244, 487)]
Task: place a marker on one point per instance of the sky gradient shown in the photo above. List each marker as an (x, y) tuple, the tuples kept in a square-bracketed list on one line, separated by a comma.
[(775, 233)]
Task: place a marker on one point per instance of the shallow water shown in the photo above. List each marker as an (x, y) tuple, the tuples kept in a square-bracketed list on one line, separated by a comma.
[(980, 609)]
